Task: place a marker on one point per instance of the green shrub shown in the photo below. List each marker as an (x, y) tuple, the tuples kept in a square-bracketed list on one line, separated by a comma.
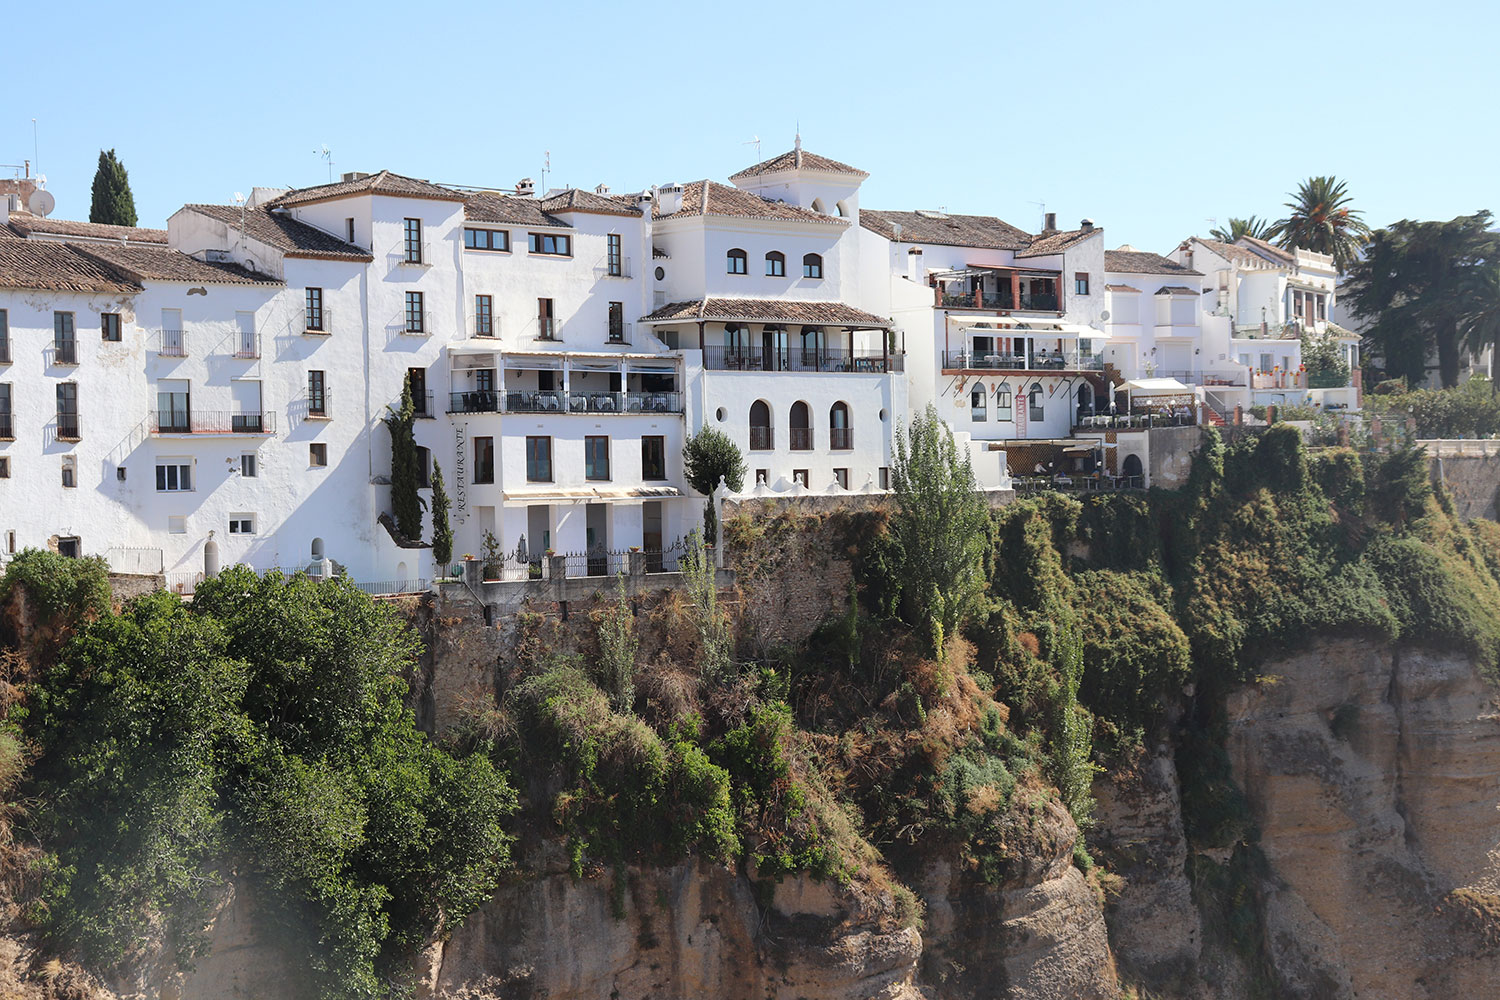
[(55, 584)]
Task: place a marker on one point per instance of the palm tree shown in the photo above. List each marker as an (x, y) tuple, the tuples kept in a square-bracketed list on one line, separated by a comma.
[(1479, 324), (1255, 226), (1322, 221)]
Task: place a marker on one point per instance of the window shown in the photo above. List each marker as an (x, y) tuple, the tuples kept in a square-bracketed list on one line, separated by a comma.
[(484, 316), (841, 476), (556, 244), (109, 326), (617, 322), (596, 457), (736, 262), (349, 230), (1322, 307), (317, 455), (119, 473), (484, 460), (613, 256), (174, 475), (413, 243), (840, 433), (801, 430), (761, 438), (10, 542), (487, 239), (416, 316), (800, 476), (4, 336), (812, 266), (775, 264), (317, 395), (248, 467), (654, 457), (5, 470), (71, 547), (417, 379), (545, 325), (242, 524), (313, 310), (177, 524), (1081, 283), (539, 460), (883, 477), (977, 410), (67, 410), (174, 406), (7, 431), (424, 468), (62, 338), (1004, 403), (1034, 403), (69, 471)]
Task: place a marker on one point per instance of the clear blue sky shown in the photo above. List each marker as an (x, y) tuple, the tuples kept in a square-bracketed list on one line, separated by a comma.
[(1149, 118)]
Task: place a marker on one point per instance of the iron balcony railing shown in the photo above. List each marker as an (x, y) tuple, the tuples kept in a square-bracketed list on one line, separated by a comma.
[(557, 401), (801, 438), (421, 404), (65, 352), (4, 350), (754, 358), (762, 439), (546, 328), (171, 344), (247, 345), (178, 421), (317, 321), (67, 427), (1062, 361), (840, 438), (977, 300), (7, 429), (619, 334), (1077, 483)]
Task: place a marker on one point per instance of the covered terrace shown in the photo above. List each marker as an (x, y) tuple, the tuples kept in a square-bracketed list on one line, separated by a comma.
[(776, 335), (997, 288), (991, 343), (485, 380)]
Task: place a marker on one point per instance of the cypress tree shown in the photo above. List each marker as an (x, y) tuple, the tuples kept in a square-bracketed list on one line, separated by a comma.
[(113, 203), (406, 503), (442, 533)]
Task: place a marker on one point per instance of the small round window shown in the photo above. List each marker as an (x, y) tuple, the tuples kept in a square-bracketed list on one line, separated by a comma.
[(720, 414), (661, 273)]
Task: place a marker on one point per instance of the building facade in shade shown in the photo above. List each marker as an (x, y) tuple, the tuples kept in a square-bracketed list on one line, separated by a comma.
[(215, 392)]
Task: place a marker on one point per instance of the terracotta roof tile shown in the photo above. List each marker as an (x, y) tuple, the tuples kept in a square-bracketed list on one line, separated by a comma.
[(1176, 290), (482, 206), (384, 182), (577, 200), (293, 238), (1268, 249), (25, 225), (799, 159), (1231, 252), (143, 263), (1141, 262), (708, 198), (768, 311), (938, 229), (57, 267), (1052, 243)]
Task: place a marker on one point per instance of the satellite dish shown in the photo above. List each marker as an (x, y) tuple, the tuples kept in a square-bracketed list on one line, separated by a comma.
[(41, 203), (1104, 316)]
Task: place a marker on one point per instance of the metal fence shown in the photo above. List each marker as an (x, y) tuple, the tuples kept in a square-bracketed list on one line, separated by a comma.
[(1103, 483), (392, 588)]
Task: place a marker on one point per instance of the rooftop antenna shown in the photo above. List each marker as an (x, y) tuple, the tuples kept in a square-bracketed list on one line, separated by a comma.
[(36, 156), (239, 199), (326, 154), (546, 169), (754, 141), (1042, 206)]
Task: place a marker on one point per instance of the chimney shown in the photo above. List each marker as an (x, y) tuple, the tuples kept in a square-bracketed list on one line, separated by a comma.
[(914, 263), (668, 199), (1087, 225), (1049, 223), (525, 187)]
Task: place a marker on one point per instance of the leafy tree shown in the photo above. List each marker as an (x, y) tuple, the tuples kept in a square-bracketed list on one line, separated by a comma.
[(941, 521), (715, 636), (1324, 361), (1255, 226), (113, 203), (442, 532), (406, 502), (1480, 323), (1322, 221), (707, 457), (1417, 282), (1071, 752)]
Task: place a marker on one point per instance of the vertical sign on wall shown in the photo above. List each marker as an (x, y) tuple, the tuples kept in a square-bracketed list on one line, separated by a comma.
[(460, 473)]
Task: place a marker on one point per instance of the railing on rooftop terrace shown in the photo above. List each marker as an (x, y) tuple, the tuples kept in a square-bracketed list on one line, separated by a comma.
[(1080, 483), (755, 358), (1064, 361), (558, 401)]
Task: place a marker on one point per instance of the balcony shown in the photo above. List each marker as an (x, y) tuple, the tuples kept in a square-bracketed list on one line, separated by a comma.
[(546, 328), (762, 439), (840, 438), (557, 401), (212, 422), (1041, 302), (421, 404), (317, 322), (414, 255), (171, 344), (247, 346), (801, 438), (1062, 361), (65, 352), (619, 333), (617, 267), (7, 429), (67, 427), (416, 326), (4, 350), (753, 358)]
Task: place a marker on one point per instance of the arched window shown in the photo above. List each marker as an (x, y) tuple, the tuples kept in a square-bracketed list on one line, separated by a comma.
[(760, 426), (812, 266), (801, 427), (776, 264), (1004, 403), (737, 262), (840, 432), (817, 206), (317, 549), (1132, 466), (977, 411), (1035, 398)]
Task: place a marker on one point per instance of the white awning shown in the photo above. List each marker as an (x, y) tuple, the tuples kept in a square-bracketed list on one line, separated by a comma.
[(1158, 387), (1012, 326)]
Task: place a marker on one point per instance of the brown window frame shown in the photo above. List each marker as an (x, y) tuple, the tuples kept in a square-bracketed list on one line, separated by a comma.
[(654, 462), (412, 240), (109, 327), (591, 442)]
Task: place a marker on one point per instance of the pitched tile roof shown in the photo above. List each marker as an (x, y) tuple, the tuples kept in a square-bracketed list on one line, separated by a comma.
[(576, 200), (482, 206), (1141, 262), (1175, 290), (710, 198), (1050, 243), (293, 238), (143, 263), (979, 231), (384, 182), (25, 225), (1269, 249), (799, 159), (1231, 252), (57, 267), (768, 311)]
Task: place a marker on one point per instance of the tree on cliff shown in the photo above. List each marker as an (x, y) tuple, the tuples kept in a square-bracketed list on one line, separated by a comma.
[(940, 527), (113, 203), (707, 457), (406, 502), (442, 532)]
